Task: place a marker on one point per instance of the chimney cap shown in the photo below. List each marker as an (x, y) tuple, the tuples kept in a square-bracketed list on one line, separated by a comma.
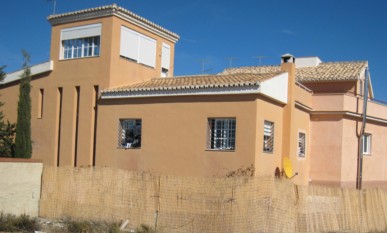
[(288, 58)]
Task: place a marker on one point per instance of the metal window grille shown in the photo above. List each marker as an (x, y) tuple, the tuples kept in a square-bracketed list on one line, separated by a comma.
[(301, 144), (268, 136), (81, 47), (129, 133), (367, 144), (222, 133)]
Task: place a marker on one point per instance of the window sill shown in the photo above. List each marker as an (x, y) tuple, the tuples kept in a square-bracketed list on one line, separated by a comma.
[(136, 62), (220, 150), (132, 148), (268, 152), (77, 58)]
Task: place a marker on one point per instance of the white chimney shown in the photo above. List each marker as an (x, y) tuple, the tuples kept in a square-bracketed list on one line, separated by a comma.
[(307, 62)]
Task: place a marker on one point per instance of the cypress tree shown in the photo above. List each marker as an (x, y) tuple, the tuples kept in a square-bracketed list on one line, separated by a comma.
[(7, 130), (23, 145)]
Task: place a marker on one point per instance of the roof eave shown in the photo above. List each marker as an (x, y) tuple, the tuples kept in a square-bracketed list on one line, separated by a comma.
[(113, 10), (252, 89)]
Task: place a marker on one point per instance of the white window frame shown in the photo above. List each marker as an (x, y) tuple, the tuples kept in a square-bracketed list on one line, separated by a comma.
[(126, 127), (268, 136), (79, 36), (221, 134), (301, 144), (367, 144), (81, 47)]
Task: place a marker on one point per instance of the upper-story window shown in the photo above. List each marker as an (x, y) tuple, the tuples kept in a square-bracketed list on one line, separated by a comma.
[(137, 47), (82, 47), (83, 41), (165, 60)]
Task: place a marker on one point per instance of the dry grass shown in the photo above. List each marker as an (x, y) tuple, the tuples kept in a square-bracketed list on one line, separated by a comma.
[(22, 223)]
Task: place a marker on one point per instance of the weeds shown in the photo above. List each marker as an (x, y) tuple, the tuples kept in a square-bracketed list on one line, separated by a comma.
[(92, 227), (242, 172), (22, 223), (144, 229)]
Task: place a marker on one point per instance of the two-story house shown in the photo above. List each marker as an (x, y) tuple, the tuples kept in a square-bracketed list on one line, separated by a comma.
[(108, 97)]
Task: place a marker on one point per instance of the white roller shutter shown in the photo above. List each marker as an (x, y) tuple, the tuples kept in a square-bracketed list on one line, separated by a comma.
[(147, 55), (129, 45), (166, 56), (81, 32)]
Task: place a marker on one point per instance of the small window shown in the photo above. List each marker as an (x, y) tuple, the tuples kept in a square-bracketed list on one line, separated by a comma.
[(221, 133), (301, 144), (40, 103), (164, 72), (268, 137), (367, 144), (129, 133), (165, 59)]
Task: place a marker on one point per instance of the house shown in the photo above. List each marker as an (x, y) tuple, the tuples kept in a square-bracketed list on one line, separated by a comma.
[(108, 97)]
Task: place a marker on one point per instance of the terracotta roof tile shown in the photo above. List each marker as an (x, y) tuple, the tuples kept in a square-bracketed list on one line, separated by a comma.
[(331, 71), (196, 82), (114, 9), (328, 71), (252, 69)]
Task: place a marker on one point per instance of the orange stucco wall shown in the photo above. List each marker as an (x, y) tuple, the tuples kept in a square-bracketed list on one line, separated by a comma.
[(266, 162), (335, 129), (333, 87), (326, 160), (174, 134), (74, 144)]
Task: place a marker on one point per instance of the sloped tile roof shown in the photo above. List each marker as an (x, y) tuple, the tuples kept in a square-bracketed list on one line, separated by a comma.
[(195, 82), (251, 70), (105, 11), (327, 71), (331, 71)]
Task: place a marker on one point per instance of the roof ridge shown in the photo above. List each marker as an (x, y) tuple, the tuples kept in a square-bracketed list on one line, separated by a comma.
[(251, 67), (332, 62)]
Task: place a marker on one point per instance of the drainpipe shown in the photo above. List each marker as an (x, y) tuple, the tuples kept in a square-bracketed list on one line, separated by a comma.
[(359, 177)]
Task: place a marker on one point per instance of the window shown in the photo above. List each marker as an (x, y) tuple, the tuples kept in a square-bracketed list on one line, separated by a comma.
[(268, 136), (221, 133), (137, 47), (367, 144), (40, 103), (82, 47), (83, 41), (129, 133), (301, 144), (165, 60)]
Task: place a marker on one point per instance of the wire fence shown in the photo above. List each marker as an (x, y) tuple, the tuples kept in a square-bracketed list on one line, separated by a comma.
[(193, 204)]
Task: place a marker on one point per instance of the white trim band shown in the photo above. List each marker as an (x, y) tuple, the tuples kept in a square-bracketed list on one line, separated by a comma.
[(36, 69)]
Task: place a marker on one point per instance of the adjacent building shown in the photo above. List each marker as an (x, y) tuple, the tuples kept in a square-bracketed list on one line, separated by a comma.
[(108, 97)]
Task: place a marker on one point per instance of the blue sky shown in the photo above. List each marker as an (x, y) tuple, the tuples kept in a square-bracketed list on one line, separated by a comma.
[(212, 31)]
